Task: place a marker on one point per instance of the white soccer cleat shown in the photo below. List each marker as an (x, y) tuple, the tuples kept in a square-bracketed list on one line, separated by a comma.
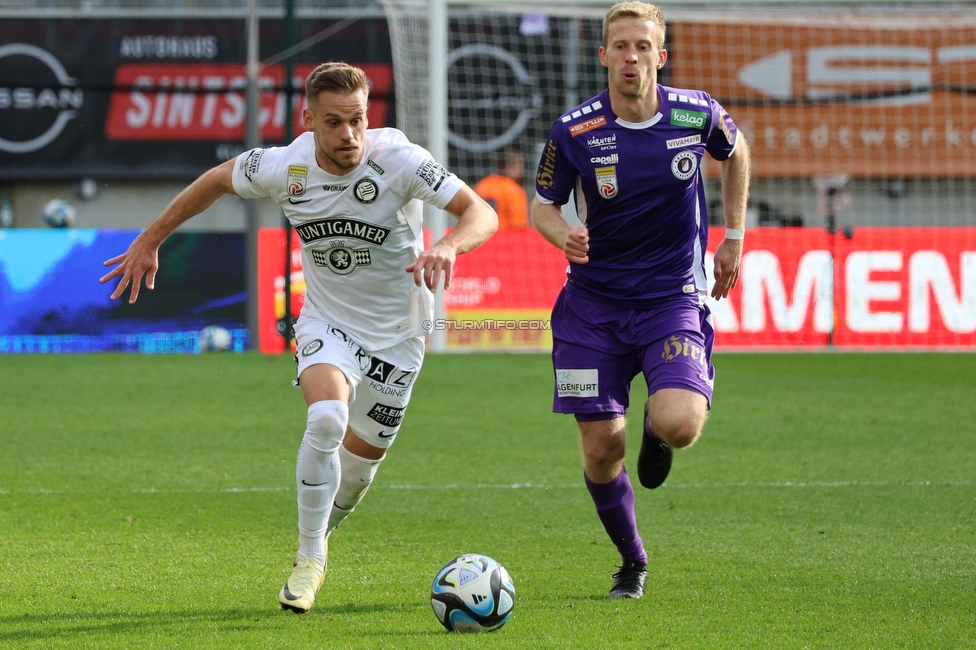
[(307, 575)]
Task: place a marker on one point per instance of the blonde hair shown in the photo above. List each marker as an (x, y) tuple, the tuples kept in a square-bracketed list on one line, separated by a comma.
[(633, 9), (336, 77)]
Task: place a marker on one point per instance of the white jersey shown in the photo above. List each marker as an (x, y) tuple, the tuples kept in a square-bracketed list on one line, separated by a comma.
[(358, 231)]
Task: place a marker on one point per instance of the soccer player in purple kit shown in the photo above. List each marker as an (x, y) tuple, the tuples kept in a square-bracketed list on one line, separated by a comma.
[(634, 298)]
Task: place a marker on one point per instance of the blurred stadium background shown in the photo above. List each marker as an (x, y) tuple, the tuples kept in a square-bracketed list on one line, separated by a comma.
[(861, 117)]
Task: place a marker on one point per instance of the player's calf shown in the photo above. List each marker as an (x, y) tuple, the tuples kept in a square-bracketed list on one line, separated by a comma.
[(317, 475), (357, 476)]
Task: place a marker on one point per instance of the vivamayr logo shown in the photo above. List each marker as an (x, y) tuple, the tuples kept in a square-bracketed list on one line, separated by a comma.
[(33, 115)]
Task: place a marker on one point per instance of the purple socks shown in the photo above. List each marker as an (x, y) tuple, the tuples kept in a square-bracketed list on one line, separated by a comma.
[(614, 503)]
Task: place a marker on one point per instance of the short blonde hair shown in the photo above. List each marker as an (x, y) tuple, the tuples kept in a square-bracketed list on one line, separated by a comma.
[(336, 77), (633, 9)]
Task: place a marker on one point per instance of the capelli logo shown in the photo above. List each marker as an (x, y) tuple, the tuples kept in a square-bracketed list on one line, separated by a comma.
[(612, 159)]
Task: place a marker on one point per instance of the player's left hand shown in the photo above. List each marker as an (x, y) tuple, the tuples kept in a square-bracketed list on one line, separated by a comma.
[(431, 264), (142, 259), (728, 256)]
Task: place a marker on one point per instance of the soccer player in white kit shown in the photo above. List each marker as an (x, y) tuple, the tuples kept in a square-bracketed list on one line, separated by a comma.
[(352, 196)]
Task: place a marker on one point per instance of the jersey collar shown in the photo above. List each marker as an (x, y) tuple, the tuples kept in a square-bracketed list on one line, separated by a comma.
[(639, 125)]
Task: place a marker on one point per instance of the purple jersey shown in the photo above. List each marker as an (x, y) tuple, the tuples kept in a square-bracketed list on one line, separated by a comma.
[(640, 192)]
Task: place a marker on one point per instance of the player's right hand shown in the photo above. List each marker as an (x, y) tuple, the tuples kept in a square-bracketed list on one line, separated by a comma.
[(140, 260), (728, 259), (577, 245)]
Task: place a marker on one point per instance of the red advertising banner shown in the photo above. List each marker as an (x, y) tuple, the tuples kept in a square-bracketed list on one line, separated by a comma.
[(271, 286), (783, 298), (907, 287), (868, 96), (500, 297), (206, 101), (515, 269), (896, 288), (502, 293)]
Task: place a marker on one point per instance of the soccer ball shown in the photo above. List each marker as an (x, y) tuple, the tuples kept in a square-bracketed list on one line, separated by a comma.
[(214, 338), (59, 214), (472, 593)]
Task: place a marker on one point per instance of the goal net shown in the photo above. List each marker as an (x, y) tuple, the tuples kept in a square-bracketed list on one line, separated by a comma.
[(861, 119)]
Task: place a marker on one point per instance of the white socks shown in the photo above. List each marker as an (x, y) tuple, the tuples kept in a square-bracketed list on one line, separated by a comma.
[(357, 474), (318, 473)]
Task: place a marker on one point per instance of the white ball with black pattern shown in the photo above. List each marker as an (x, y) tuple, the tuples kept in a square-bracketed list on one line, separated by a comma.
[(58, 213), (214, 338), (472, 593)]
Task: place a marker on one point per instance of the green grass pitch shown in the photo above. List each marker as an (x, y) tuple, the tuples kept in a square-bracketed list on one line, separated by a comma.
[(148, 502)]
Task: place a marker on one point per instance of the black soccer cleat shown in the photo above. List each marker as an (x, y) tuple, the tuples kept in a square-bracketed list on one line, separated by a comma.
[(629, 581), (654, 460)]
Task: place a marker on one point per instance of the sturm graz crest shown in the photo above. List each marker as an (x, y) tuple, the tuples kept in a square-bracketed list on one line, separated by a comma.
[(366, 190), (341, 260)]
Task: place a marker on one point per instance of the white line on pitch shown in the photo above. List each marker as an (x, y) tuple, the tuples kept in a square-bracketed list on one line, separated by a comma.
[(696, 486), (534, 486)]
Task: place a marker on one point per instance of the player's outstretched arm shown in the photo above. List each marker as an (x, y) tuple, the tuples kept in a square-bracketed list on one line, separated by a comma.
[(476, 223), (142, 258), (551, 224), (735, 196)]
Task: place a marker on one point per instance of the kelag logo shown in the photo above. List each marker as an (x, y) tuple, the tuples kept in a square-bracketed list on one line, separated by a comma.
[(37, 99), (693, 119)]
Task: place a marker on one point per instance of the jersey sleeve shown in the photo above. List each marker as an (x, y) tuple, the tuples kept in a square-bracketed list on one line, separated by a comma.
[(722, 135), (422, 177), (555, 178), (254, 172)]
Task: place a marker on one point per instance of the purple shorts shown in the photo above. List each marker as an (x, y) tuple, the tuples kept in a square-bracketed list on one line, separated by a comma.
[(598, 348)]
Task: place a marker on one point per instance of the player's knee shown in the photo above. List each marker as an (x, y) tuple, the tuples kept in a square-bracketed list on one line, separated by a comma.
[(685, 434), (326, 425), (603, 444), (677, 417), (602, 452), (679, 430)]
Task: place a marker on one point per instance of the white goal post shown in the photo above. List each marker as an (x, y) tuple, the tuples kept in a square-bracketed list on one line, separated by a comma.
[(422, 57), (859, 114)]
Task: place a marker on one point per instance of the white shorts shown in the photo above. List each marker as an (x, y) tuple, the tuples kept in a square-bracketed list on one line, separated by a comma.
[(380, 382)]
